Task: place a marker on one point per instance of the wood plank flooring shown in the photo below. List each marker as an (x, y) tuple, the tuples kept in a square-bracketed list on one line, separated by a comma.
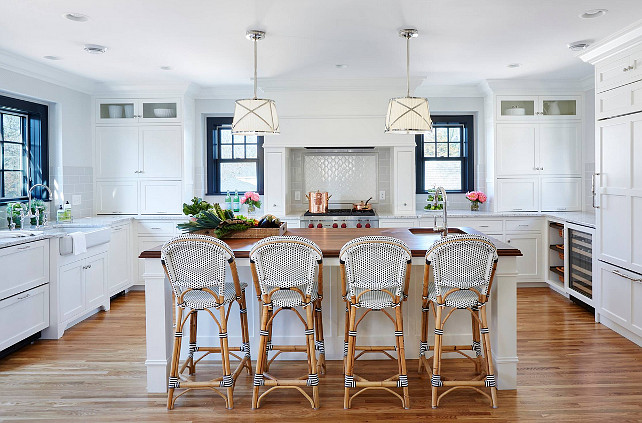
[(570, 370)]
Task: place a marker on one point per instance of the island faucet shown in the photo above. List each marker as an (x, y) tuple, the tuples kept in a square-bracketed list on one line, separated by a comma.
[(443, 229), (37, 214)]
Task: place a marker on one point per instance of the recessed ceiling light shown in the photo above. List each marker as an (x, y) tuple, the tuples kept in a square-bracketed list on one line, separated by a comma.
[(95, 49), (166, 68), (341, 66), (513, 65), (53, 57), (578, 45), (593, 13), (76, 17)]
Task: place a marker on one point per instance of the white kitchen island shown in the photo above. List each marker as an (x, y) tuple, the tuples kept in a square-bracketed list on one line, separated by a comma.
[(376, 328)]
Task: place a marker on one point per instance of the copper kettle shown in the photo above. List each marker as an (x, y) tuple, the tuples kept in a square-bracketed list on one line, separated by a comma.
[(318, 201)]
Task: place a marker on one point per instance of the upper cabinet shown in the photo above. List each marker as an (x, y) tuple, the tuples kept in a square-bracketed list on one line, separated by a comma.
[(542, 108), (623, 69), (128, 111)]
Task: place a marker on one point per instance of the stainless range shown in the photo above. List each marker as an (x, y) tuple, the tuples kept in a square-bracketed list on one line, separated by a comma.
[(341, 218)]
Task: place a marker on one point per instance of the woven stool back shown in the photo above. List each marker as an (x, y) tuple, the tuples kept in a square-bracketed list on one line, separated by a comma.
[(462, 261), (286, 262), (196, 262), (375, 262)]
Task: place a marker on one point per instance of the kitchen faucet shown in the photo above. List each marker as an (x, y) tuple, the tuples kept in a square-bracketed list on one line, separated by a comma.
[(443, 229), (37, 214)]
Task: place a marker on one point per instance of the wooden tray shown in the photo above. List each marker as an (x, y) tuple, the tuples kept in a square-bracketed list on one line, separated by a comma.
[(250, 233)]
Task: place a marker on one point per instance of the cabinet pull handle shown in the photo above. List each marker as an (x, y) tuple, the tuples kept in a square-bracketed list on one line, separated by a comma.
[(23, 297), (523, 225), (483, 226), (26, 247), (617, 272), (156, 228), (593, 191), (518, 209)]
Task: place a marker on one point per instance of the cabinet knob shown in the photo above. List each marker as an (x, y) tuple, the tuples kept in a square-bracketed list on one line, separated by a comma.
[(405, 204)]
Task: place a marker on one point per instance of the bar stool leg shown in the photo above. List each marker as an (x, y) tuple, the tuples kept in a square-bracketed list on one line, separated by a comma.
[(228, 381), (268, 344), (313, 378), (318, 319), (261, 359), (401, 356), (490, 378), (423, 343), (476, 340), (349, 373), (435, 380), (245, 336), (192, 341), (176, 355), (345, 336)]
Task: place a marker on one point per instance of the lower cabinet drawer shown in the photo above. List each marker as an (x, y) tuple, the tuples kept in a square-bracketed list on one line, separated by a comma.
[(156, 227), (532, 224), (23, 315), (486, 226)]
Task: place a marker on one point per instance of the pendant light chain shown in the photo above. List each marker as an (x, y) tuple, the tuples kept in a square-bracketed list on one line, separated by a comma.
[(255, 40)]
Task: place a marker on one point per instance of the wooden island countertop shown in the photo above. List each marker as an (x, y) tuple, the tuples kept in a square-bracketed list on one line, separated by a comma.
[(331, 240)]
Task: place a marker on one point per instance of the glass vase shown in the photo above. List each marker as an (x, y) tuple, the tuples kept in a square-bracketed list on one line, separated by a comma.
[(474, 206), (251, 210)]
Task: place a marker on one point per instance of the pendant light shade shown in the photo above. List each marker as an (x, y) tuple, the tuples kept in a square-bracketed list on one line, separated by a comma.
[(255, 116), (408, 115)]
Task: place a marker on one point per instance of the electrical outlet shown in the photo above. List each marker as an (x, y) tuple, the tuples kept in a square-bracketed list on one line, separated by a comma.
[(382, 195), (76, 200), (297, 195)]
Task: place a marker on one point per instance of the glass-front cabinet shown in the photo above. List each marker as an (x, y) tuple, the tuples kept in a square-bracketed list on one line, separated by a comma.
[(551, 107), (118, 111)]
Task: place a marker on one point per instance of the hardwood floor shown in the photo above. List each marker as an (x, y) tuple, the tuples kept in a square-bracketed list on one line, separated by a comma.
[(570, 369)]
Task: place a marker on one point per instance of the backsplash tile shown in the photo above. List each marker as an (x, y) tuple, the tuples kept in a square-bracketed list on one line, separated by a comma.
[(348, 177), (78, 180)]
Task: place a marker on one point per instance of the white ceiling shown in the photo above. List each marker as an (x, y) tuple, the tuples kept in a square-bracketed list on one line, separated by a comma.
[(460, 42)]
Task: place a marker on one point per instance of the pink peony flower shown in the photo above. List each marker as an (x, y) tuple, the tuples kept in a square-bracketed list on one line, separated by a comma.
[(255, 196), (472, 196), (482, 197), (244, 199)]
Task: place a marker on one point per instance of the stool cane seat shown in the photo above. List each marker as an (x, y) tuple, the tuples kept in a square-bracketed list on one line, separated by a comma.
[(457, 299)]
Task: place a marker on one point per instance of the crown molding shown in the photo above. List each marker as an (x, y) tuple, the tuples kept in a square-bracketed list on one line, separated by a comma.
[(28, 67), (231, 92), (614, 43), (319, 84), (449, 91), (588, 83), (534, 86), (132, 89)]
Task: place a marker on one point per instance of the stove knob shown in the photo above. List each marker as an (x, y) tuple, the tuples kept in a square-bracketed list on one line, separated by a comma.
[(367, 225), (343, 225), (311, 225), (358, 225), (335, 225), (319, 225)]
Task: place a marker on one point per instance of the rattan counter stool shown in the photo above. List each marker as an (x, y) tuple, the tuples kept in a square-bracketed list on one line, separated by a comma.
[(463, 269), (195, 266), (283, 269), (375, 273)]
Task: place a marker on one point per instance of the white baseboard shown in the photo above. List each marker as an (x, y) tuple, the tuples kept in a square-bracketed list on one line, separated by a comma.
[(620, 330), (531, 284)]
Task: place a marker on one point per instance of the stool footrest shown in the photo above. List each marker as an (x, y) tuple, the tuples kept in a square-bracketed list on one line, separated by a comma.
[(286, 382), (453, 348), (463, 383), (376, 348), (290, 348), (384, 383)]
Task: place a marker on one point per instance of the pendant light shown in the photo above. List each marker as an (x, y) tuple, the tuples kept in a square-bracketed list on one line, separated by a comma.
[(408, 115), (255, 116)]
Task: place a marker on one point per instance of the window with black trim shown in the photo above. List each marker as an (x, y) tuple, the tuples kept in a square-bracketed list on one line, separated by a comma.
[(446, 156), (23, 148), (235, 162)]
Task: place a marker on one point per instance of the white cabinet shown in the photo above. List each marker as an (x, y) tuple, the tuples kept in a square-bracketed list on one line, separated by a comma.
[(517, 149), (82, 286), (117, 197), (622, 69), (398, 223), (541, 108), (160, 152), (24, 266), (23, 315), (125, 111), (139, 152), (619, 101), (561, 194), (529, 265), (619, 191), (519, 194), (275, 179), (538, 148), (620, 297), (152, 233), (120, 259), (404, 180), (160, 197)]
